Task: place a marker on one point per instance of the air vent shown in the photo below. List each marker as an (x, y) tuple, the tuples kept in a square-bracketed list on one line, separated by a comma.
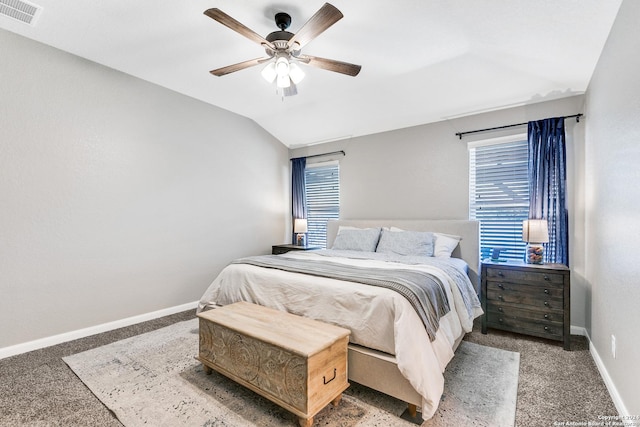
[(19, 10)]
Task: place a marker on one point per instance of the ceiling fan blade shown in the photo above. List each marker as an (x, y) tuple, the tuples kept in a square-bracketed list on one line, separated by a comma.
[(331, 65), (237, 67), (325, 17), (218, 15)]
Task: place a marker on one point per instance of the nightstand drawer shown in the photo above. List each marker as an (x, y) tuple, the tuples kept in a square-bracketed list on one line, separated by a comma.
[(541, 300), (497, 308), (524, 294), (518, 276), (550, 330)]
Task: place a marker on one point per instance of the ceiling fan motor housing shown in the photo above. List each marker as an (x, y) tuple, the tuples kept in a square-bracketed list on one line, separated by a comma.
[(283, 20), (279, 39)]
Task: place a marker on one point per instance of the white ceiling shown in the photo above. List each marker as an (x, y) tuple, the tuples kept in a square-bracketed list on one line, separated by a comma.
[(422, 60)]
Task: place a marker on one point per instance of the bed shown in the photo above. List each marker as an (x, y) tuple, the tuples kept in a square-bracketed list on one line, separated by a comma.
[(402, 336)]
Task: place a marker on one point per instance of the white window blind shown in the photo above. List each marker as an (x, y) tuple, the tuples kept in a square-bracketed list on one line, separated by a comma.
[(499, 196), (323, 200)]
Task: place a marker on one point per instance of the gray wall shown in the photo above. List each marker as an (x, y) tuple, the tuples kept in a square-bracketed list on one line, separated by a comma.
[(612, 204), (423, 172), (119, 197)]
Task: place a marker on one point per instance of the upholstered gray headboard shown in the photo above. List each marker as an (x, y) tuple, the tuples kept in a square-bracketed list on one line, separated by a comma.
[(468, 249)]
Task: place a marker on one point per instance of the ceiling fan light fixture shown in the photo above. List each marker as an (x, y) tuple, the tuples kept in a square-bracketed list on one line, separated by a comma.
[(282, 66), (296, 73), (269, 72), (283, 81)]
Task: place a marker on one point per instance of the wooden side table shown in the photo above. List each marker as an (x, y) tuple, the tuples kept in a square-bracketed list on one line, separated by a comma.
[(282, 249), (532, 299)]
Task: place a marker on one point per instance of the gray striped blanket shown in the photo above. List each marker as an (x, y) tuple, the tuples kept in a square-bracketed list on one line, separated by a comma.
[(425, 292)]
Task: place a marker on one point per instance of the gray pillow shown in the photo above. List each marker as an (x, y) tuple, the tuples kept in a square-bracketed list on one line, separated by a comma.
[(406, 243), (364, 239)]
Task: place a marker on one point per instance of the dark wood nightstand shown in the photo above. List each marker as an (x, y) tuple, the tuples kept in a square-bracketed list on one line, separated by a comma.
[(532, 299), (283, 249)]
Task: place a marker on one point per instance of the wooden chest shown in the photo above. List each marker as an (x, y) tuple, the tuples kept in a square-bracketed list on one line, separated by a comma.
[(527, 298), (296, 362)]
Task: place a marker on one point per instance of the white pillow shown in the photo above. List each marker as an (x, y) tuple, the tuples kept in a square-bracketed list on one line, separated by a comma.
[(445, 244)]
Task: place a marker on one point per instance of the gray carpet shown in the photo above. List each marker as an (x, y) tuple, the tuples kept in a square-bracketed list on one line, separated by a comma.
[(555, 386), (152, 379), (39, 389)]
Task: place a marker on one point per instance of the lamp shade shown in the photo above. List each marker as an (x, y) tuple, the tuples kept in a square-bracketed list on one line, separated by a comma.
[(535, 231), (299, 225), (269, 72), (295, 73)]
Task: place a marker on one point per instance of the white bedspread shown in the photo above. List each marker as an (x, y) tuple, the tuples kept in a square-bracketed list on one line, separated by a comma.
[(378, 318)]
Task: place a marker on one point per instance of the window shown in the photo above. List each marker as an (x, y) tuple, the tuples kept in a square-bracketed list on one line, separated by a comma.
[(499, 194), (322, 184)]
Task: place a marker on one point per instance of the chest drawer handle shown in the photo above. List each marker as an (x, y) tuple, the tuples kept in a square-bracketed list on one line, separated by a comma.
[(500, 273), (501, 320), (500, 297), (500, 309), (546, 291), (324, 379), (546, 328), (546, 303), (500, 285), (546, 316), (547, 278)]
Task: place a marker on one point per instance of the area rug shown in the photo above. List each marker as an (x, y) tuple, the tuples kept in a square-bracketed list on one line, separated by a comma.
[(153, 380)]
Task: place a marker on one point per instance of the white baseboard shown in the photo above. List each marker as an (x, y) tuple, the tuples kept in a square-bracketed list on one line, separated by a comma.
[(578, 330), (608, 382), (81, 333)]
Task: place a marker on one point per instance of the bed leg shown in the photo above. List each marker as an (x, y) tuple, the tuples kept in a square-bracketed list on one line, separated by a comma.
[(411, 414), (412, 409)]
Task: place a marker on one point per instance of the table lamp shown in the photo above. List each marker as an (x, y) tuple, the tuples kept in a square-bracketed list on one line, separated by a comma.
[(535, 232), (300, 229)]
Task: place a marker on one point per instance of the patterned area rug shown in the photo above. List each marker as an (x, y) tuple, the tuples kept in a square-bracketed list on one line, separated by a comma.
[(153, 379)]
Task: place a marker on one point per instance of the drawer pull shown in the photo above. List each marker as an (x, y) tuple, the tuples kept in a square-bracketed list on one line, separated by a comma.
[(324, 379), (500, 309), (501, 320), (546, 291), (546, 303), (547, 278), (500, 285), (546, 316), (500, 297), (546, 328)]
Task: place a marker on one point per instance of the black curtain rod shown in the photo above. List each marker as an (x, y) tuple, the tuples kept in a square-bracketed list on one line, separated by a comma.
[(461, 134), (321, 155)]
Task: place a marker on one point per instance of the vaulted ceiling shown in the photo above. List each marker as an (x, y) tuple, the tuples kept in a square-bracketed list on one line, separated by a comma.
[(422, 60)]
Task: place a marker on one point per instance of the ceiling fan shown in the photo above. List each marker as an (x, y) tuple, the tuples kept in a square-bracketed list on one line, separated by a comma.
[(284, 48)]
